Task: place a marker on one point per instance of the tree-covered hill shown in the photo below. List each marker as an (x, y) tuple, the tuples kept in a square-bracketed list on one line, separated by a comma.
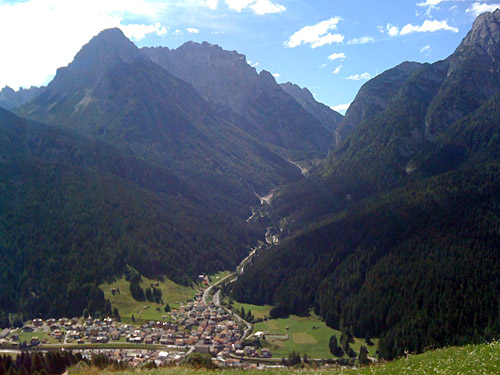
[(75, 212), (397, 233)]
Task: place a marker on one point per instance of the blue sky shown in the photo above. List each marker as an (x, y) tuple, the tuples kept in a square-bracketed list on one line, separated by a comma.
[(330, 46)]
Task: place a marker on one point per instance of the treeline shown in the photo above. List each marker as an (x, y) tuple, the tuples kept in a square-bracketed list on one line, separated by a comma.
[(151, 294), (38, 363), (418, 267)]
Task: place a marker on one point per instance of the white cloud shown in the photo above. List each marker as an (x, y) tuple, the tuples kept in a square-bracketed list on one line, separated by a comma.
[(252, 64), (428, 27), (337, 69), (359, 77), (192, 30), (477, 8), (337, 56), (139, 32), (362, 40), (316, 35), (430, 3), (392, 30), (341, 107), (425, 49), (322, 66), (212, 4), (178, 32), (259, 7), (276, 75), (381, 29), (31, 31)]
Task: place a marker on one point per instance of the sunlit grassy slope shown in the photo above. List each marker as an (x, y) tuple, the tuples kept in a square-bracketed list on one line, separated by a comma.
[(469, 360), (172, 293), (306, 335)]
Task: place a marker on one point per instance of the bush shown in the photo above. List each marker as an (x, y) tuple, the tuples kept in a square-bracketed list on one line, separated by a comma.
[(198, 361)]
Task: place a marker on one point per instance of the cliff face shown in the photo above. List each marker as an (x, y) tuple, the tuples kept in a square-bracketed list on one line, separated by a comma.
[(253, 100), (10, 99), (328, 117)]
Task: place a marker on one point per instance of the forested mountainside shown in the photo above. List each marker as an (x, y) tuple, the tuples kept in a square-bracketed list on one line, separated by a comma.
[(76, 212), (397, 234), (253, 101), (128, 167)]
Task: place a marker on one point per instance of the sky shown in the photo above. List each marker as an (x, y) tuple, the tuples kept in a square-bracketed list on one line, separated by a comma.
[(332, 47)]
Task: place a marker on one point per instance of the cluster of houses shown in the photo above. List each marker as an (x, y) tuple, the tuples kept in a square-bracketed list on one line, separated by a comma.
[(212, 329), (194, 327), (137, 357)]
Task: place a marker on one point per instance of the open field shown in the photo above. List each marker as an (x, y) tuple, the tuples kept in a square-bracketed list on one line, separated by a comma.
[(259, 312), (469, 360), (218, 276), (172, 293), (27, 336), (305, 335)]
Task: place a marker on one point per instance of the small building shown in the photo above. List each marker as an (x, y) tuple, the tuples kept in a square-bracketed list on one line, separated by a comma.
[(265, 353), (201, 348), (28, 328), (37, 322), (4, 333)]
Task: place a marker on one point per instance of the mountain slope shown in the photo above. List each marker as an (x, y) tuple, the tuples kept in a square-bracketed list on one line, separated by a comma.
[(256, 103), (374, 97), (75, 212), (328, 117), (397, 235), (111, 92), (10, 99)]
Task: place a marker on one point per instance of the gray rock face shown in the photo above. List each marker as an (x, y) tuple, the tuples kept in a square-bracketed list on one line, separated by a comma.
[(10, 99), (473, 74), (254, 101), (328, 117), (107, 49), (217, 75), (374, 97)]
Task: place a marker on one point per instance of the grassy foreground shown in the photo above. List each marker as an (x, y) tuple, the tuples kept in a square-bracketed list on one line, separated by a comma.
[(469, 360)]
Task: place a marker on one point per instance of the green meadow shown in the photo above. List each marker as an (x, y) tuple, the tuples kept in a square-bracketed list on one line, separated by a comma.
[(172, 293), (306, 335)]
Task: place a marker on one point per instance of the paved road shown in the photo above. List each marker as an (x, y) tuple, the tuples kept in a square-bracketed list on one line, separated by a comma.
[(206, 293), (216, 298)]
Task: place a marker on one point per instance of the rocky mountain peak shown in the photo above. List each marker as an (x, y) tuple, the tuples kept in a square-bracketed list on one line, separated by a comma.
[(484, 35), (218, 75), (104, 51), (297, 92), (328, 117)]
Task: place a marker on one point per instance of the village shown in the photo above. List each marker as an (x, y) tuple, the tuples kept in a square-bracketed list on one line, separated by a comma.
[(197, 326)]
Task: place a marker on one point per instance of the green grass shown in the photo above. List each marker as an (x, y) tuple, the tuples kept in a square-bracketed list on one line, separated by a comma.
[(26, 336), (173, 294), (305, 335), (218, 276), (259, 312), (469, 360)]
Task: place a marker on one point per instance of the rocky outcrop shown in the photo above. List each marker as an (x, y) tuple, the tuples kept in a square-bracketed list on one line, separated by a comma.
[(327, 116), (253, 100), (10, 99), (374, 97)]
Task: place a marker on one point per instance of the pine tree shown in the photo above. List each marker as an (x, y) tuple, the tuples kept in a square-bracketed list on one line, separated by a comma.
[(363, 356)]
